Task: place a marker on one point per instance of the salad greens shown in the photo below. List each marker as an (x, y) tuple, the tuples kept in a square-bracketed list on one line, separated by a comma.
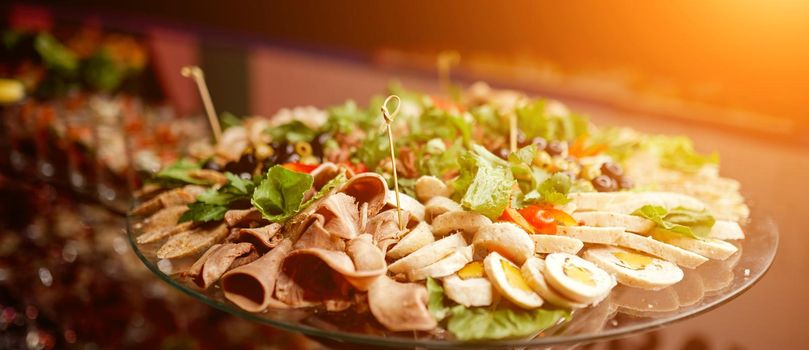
[(480, 323), (674, 152), (294, 131), (177, 174), (537, 120), (485, 183), (677, 152), (212, 204), (280, 194), (681, 221)]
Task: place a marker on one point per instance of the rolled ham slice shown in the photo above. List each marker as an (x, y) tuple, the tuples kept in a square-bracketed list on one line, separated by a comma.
[(323, 270), (368, 188), (217, 260), (177, 196), (400, 306), (323, 174), (341, 215), (384, 227), (191, 242), (263, 238), (251, 286), (241, 217)]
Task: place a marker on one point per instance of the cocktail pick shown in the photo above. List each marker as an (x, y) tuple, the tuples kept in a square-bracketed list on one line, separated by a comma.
[(195, 73), (389, 116), (444, 62), (512, 131)]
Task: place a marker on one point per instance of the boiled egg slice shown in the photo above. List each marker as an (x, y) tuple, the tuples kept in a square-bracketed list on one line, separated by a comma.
[(507, 279), (576, 278), (532, 273), (635, 269)]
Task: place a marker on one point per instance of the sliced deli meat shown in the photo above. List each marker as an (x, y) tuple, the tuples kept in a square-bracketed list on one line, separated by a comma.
[(400, 306)]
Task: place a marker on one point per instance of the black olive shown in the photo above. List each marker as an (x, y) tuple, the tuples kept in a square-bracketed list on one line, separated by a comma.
[(212, 165), (245, 164), (556, 148), (604, 183), (626, 183), (540, 142), (522, 140), (502, 153), (317, 144), (612, 170)]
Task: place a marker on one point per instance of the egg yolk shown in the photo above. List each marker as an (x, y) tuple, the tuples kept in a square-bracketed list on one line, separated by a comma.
[(580, 274), (471, 270), (514, 277), (632, 260)]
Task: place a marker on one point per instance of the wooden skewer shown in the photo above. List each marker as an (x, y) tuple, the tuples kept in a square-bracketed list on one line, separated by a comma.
[(512, 131), (444, 62), (388, 120), (195, 73)]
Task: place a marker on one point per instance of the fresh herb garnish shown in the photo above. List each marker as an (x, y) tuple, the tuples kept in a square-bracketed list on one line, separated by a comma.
[(212, 204), (681, 221), (177, 174)]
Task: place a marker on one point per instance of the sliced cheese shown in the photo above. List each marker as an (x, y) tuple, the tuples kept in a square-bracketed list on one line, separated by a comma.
[(666, 251), (589, 234), (546, 244), (444, 267), (428, 254), (629, 202), (469, 292)]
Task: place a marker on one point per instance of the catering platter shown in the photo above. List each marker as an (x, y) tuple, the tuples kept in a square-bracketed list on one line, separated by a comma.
[(510, 222)]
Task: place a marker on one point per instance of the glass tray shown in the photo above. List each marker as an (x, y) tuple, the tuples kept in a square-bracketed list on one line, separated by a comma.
[(626, 311)]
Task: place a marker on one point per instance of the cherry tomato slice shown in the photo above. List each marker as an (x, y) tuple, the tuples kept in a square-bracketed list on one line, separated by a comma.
[(561, 217), (546, 220), (511, 215), (537, 217), (300, 167)]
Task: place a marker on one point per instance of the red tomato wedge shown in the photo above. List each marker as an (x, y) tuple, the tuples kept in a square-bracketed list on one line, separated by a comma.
[(511, 215), (300, 167), (546, 220)]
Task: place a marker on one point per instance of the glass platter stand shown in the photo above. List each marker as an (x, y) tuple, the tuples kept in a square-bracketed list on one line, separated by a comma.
[(625, 312)]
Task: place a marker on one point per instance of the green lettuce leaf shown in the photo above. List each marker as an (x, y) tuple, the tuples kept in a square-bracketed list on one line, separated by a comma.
[(294, 131), (681, 221), (212, 204), (203, 212), (438, 160), (677, 152), (55, 55), (482, 324), (536, 185), (435, 300), (554, 190), (177, 174), (280, 194), (485, 183), (348, 117), (101, 72), (535, 120)]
